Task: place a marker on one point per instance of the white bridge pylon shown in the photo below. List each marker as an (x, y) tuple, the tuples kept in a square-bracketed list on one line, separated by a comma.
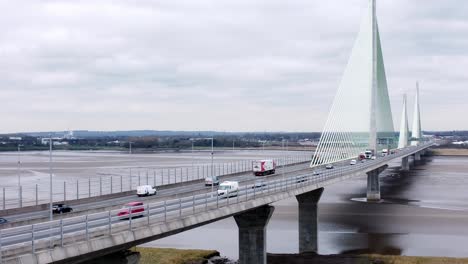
[(404, 131), (360, 117), (416, 133)]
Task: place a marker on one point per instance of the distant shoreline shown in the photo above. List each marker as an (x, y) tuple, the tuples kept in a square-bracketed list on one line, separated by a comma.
[(161, 150), (185, 256), (450, 152), (359, 259)]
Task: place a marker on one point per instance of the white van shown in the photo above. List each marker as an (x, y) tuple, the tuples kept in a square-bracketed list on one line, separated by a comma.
[(228, 189), (145, 190), (211, 180)]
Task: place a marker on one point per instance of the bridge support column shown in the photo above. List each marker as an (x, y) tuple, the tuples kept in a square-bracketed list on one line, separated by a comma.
[(417, 156), (252, 234), (405, 164), (373, 184), (308, 220)]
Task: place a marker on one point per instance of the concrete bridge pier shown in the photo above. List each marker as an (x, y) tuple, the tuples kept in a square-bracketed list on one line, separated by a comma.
[(308, 220), (373, 184), (405, 164), (252, 234), (417, 156)]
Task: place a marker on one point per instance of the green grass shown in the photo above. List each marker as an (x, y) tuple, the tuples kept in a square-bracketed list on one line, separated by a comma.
[(173, 256)]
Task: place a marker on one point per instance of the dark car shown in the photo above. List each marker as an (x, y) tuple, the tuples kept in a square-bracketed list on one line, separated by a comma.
[(3, 221), (259, 184), (301, 178), (61, 208)]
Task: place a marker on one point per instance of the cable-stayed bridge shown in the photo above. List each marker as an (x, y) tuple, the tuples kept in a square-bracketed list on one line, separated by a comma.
[(360, 121)]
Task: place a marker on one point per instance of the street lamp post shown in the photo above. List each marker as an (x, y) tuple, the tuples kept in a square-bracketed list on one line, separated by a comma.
[(19, 165), (130, 147), (50, 178), (212, 166), (192, 154), (284, 158)]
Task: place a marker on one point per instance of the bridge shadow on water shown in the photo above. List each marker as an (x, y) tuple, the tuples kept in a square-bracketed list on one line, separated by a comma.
[(373, 226)]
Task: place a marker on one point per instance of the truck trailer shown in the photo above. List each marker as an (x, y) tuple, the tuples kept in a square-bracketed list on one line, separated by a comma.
[(263, 167)]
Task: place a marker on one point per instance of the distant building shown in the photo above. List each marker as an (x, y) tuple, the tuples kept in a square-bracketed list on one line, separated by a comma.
[(115, 142), (307, 142), (57, 143), (45, 141), (69, 135), (15, 138)]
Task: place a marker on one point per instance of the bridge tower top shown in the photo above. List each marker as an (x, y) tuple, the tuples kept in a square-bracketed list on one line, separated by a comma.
[(360, 117), (416, 132), (404, 132)]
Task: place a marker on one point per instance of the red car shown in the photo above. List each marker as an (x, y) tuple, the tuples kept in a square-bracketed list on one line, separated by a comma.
[(137, 209)]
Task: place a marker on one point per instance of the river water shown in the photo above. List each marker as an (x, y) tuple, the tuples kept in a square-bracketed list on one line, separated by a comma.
[(424, 213)]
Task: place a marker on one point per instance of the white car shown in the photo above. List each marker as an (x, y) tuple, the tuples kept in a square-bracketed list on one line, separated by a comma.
[(145, 190), (211, 180), (329, 166), (373, 157), (352, 162), (228, 189)]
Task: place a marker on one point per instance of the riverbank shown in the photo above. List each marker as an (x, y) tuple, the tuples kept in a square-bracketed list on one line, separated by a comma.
[(359, 259), (174, 256), (449, 152), (184, 256)]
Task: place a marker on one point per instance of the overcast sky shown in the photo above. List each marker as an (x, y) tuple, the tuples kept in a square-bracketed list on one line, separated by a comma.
[(225, 65)]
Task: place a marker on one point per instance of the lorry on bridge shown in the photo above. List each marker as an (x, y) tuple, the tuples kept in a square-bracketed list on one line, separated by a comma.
[(369, 153), (384, 152), (263, 167)]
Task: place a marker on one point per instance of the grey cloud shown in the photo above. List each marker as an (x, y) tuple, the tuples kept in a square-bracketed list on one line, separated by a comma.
[(217, 65)]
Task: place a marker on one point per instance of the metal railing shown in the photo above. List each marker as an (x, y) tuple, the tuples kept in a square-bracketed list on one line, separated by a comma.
[(81, 228), (36, 194)]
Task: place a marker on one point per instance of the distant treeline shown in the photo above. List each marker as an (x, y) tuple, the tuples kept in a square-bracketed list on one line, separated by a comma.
[(189, 134), (152, 142), (447, 133)]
